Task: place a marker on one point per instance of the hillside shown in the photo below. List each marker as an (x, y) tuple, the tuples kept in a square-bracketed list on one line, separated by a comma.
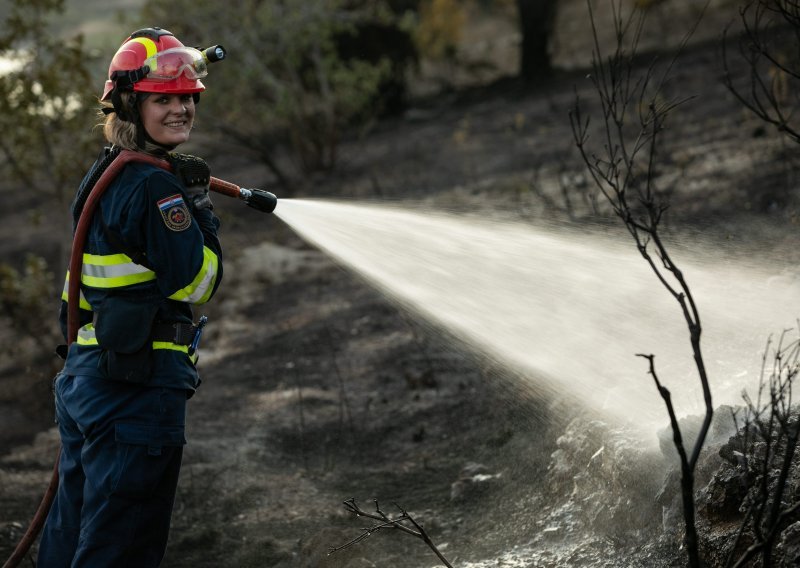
[(318, 388)]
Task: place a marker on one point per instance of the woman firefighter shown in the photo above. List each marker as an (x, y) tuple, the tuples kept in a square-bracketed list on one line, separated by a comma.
[(151, 253)]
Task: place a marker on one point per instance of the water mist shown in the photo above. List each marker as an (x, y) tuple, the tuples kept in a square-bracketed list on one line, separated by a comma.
[(569, 310)]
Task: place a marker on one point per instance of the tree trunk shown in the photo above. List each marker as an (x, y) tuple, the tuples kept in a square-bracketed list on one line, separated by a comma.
[(536, 21)]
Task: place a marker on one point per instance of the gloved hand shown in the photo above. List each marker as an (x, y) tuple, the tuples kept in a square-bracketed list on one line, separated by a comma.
[(195, 175)]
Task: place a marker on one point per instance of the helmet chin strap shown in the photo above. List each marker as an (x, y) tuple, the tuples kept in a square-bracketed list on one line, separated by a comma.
[(136, 118), (167, 148)]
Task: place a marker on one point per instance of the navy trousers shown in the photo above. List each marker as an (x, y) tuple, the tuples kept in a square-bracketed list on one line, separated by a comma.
[(121, 449)]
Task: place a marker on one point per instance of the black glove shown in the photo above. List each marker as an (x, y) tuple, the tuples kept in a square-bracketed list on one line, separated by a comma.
[(195, 175)]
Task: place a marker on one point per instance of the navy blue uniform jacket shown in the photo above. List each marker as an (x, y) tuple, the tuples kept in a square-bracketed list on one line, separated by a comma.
[(144, 210)]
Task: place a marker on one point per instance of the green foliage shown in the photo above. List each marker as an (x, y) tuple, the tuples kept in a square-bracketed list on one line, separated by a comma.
[(45, 101), (285, 79), (26, 298)]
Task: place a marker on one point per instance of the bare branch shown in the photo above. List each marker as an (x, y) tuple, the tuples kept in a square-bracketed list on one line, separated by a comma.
[(627, 166), (762, 46), (387, 522), (769, 435)]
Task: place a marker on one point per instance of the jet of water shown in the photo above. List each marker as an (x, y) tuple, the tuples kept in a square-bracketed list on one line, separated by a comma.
[(567, 309)]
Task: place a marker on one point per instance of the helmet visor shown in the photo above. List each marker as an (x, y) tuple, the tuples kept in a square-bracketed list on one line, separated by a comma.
[(171, 63)]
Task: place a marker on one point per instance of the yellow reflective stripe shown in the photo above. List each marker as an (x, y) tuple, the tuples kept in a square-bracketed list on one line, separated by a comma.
[(117, 281), (199, 291), (172, 346), (82, 302), (105, 259), (149, 45), (113, 271), (86, 335)]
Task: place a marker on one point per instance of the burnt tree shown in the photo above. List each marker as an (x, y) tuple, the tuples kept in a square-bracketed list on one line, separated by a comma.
[(536, 22), (633, 109)]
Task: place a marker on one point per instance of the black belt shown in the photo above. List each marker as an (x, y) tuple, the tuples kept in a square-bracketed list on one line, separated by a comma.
[(178, 333)]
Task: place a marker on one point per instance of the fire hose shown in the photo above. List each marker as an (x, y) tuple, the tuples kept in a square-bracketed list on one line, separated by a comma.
[(256, 198)]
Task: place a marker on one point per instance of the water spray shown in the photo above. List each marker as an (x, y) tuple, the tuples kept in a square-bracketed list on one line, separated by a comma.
[(565, 309)]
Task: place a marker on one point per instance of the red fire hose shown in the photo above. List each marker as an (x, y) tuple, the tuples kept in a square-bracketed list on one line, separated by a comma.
[(256, 198)]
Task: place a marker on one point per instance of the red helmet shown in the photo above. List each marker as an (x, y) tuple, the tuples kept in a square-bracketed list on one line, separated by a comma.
[(153, 60)]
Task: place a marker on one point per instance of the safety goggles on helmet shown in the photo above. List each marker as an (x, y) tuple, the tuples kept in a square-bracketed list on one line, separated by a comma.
[(172, 63)]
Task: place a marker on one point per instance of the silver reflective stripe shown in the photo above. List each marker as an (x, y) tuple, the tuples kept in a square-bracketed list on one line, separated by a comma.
[(200, 289), (82, 302), (113, 271), (203, 286), (86, 335)]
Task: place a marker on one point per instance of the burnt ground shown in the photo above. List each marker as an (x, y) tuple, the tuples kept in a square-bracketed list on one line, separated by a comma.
[(318, 389)]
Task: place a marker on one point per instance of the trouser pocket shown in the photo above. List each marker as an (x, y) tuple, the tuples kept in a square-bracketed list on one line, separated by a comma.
[(147, 460)]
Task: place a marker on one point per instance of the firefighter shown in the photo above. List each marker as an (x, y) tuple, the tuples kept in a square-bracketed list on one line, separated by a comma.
[(152, 252)]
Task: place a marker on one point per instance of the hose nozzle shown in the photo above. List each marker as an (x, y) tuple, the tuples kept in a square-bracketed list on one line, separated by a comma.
[(259, 199)]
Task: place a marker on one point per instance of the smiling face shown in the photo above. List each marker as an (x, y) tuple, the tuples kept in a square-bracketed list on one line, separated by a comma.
[(167, 118)]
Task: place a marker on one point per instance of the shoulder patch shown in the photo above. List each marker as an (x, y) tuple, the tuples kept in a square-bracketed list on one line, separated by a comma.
[(174, 212)]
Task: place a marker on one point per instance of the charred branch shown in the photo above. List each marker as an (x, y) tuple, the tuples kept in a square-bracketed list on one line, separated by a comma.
[(767, 46), (404, 522), (623, 167), (769, 434)]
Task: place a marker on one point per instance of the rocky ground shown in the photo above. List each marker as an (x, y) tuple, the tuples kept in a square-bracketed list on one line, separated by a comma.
[(318, 389)]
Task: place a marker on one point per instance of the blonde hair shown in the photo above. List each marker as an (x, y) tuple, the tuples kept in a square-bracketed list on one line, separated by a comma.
[(122, 133), (117, 131)]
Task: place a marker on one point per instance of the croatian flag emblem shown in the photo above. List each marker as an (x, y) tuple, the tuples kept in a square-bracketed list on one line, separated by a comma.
[(174, 212)]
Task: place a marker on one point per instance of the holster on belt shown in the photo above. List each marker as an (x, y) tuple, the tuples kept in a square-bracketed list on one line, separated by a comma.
[(178, 333)]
